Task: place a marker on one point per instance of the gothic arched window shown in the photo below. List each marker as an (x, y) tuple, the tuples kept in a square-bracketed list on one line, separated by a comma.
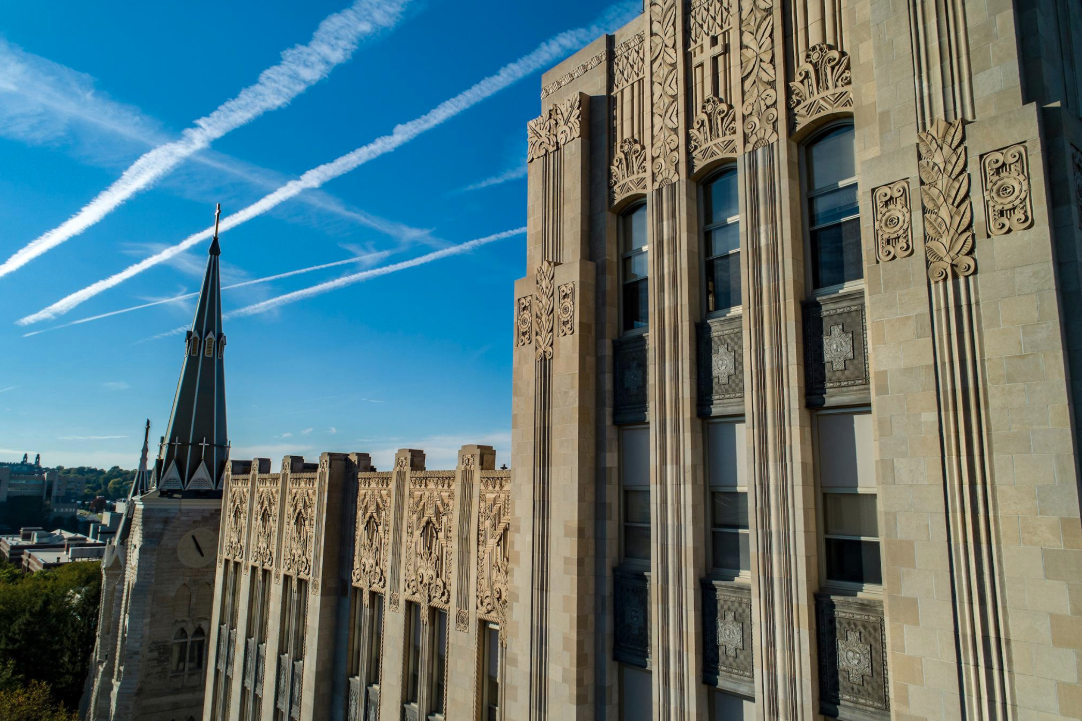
[(197, 650), (182, 602), (180, 651)]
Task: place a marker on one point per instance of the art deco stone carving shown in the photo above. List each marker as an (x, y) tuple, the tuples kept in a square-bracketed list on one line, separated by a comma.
[(493, 522), (835, 350), (578, 72), (707, 19), (757, 73), (629, 379), (823, 84), (543, 310), (837, 347), (236, 519), (297, 555), (720, 365), (567, 309), (727, 641), (629, 62), (628, 172), (730, 634), (713, 132), (664, 92), (1007, 202), (631, 618), (266, 521), (948, 212), (523, 321), (555, 129), (853, 676), (892, 221), (429, 539), (370, 539)]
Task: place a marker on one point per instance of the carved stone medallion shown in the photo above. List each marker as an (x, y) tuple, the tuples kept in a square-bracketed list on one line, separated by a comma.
[(891, 221), (854, 657), (730, 634), (1007, 202), (524, 321), (567, 309), (837, 348)]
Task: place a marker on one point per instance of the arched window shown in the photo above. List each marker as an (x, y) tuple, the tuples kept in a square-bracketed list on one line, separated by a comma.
[(203, 595), (721, 241), (182, 602), (634, 268), (209, 352), (180, 651), (833, 222), (197, 650), (195, 344)]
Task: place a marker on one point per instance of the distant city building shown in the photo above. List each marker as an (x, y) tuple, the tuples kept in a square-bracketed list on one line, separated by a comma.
[(28, 490), (53, 548), (150, 653), (40, 559)]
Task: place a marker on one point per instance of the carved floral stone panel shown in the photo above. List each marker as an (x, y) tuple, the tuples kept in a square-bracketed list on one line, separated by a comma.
[(720, 365), (429, 539), (664, 92), (524, 321), (628, 172), (758, 74), (493, 523), (728, 655), (370, 541), (236, 520), (948, 211), (1007, 202), (629, 379), (835, 349), (567, 309), (823, 84), (265, 531), (298, 553), (892, 221), (543, 307), (555, 129), (631, 618), (853, 677), (713, 132)]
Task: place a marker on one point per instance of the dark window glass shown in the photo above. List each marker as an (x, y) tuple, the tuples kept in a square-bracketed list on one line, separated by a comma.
[(414, 677), (833, 215), (491, 668), (634, 268), (729, 530), (637, 524), (721, 242), (197, 650), (376, 640), (853, 561), (439, 670), (180, 651)]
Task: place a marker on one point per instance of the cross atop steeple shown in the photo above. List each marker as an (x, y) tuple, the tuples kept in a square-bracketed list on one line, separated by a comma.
[(214, 249)]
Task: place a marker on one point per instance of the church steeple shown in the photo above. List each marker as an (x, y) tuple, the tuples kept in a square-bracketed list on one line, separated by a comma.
[(193, 452)]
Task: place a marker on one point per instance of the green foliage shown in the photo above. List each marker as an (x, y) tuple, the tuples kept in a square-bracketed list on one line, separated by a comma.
[(47, 624), (32, 703), (113, 483)]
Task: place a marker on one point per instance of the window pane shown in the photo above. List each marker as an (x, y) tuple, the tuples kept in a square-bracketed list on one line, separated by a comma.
[(376, 641), (850, 514), (637, 506), (634, 229), (732, 708), (635, 305), (635, 457), (635, 267), (636, 691), (723, 239), (413, 682), (439, 672), (720, 199), (833, 206), (853, 561), (492, 671), (846, 450), (730, 509), (831, 158), (637, 542), (723, 282), (731, 550), (726, 453), (836, 254)]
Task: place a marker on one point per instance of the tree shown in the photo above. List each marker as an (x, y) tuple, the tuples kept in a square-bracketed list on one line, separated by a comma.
[(32, 703)]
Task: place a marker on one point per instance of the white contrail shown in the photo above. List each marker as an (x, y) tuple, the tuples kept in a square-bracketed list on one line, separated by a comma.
[(547, 53), (515, 173), (302, 66), (366, 258), (304, 293)]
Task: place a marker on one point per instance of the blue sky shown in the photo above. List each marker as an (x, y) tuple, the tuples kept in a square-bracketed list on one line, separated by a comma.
[(415, 357)]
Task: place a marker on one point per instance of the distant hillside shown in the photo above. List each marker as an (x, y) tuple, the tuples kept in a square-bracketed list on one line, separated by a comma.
[(112, 484)]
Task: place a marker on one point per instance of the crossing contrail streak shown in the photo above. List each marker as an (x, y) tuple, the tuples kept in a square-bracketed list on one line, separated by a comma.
[(366, 258), (305, 293), (543, 56), (302, 66)]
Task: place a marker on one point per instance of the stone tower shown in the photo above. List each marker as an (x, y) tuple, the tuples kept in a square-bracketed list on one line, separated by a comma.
[(158, 580)]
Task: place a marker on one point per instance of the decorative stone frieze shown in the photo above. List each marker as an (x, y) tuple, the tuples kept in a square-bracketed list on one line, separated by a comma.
[(1007, 202), (664, 93), (713, 132), (265, 533), (628, 62), (555, 129), (493, 522), (370, 538), (567, 309), (892, 221), (628, 172), (728, 656), (629, 379), (720, 366), (429, 539), (948, 212), (823, 84), (707, 19), (835, 350), (572, 75), (852, 658), (758, 74), (524, 321), (631, 617), (299, 548), (236, 519)]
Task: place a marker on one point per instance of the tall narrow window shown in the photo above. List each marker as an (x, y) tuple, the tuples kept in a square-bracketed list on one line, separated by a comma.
[(721, 241), (413, 662), (375, 639), (634, 268), (635, 492), (490, 673), (727, 464), (849, 511), (636, 694), (197, 651), (833, 222), (180, 651), (438, 668)]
